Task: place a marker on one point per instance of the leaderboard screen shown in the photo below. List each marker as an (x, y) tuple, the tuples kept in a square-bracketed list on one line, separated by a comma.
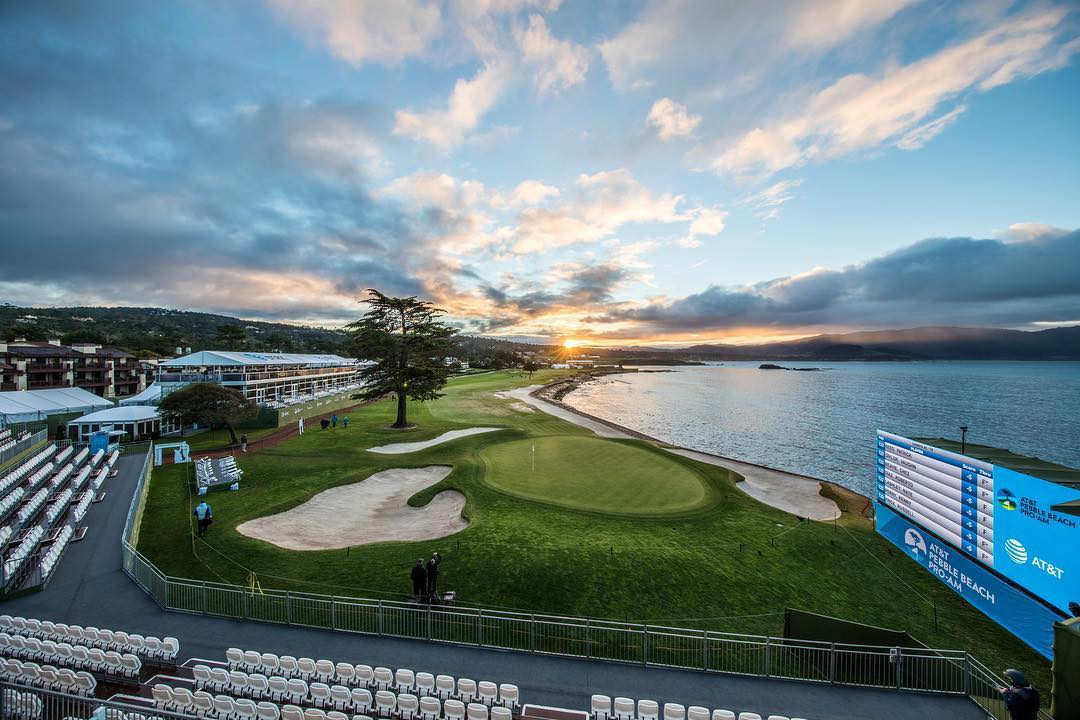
[(1001, 518)]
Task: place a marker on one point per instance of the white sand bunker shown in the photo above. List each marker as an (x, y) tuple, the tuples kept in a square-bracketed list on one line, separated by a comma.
[(408, 447), (373, 510)]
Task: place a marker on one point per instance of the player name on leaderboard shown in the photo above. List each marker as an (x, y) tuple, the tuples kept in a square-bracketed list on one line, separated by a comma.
[(946, 493)]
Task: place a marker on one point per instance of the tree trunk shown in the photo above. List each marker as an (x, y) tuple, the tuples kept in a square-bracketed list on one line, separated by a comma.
[(232, 432), (401, 421)]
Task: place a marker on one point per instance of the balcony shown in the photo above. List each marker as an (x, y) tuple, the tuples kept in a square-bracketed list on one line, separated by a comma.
[(5, 386), (47, 384), (47, 367), (91, 382)]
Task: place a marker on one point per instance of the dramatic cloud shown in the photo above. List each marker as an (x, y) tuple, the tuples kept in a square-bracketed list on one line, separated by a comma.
[(558, 64), (467, 104), (670, 119), (1009, 283), (896, 105)]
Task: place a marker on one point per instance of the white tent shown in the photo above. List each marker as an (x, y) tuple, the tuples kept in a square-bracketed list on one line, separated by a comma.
[(29, 405), (150, 396), (137, 421)]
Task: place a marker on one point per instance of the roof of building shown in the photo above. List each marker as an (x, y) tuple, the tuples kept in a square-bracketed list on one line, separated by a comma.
[(27, 405), (150, 396), (126, 414), (219, 358)]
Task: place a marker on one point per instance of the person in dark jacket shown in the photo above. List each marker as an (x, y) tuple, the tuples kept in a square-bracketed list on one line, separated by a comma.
[(1021, 698), (419, 578), (433, 574)]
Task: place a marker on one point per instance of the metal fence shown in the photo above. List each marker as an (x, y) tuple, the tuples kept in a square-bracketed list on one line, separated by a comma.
[(23, 702), (952, 672), (28, 442)]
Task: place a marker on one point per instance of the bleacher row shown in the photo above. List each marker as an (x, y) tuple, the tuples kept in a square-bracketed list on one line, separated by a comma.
[(9, 440), (48, 677), (62, 654), (624, 708), (42, 501), (162, 650)]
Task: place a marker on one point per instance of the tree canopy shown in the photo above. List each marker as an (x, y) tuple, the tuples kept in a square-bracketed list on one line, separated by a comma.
[(408, 344), (208, 404)]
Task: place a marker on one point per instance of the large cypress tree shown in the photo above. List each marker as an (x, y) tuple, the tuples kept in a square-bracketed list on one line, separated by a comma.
[(408, 344)]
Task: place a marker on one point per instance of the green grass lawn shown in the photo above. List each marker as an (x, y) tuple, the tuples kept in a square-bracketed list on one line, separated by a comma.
[(219, 437), (731, 564), (594, 474)]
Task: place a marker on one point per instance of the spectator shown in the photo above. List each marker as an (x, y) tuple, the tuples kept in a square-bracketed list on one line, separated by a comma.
[(243, 443), (1021, 698), (345, 421), (325, 424), (205, 515), (419, 577), (333, 419), (433, 576)]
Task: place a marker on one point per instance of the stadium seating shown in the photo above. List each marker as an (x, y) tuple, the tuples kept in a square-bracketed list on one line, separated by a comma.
[(146, 648), (42, 501), (48, 677), (603, 708)]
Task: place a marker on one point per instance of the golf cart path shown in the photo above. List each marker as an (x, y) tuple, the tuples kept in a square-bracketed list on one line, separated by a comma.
[(373, 510), (796, 494), (408, 447)]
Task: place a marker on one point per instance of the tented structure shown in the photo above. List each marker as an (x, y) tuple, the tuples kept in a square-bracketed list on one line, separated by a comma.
[(150, 396), (22, 406), (136, 421)]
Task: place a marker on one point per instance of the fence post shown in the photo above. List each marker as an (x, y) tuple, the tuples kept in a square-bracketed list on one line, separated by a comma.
[(896, 666), (768, 657), (333, 613), (429, 621), (588, 638), (645, 644), (288, 608), (480, 627), (381, 624), (967, 674), (244, 604), (832, 662), (704, 649), (532, 632), (205, 599)]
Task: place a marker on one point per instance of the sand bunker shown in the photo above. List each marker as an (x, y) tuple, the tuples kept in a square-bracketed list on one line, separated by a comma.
[(373, 510), (408, 447)]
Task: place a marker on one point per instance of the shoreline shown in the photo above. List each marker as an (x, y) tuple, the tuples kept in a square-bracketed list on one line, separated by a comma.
[(799, 495)]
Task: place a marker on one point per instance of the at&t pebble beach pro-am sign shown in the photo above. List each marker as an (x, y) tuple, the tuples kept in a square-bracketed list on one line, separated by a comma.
[(1000, 519)]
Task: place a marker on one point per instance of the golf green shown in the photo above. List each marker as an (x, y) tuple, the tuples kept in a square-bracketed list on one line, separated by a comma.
[(594, 474)]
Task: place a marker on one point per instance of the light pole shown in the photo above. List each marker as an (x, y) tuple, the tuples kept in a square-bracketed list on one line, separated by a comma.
[(963, 439)]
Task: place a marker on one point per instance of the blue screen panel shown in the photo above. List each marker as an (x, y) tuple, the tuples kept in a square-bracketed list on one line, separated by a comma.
[(1017, 612)]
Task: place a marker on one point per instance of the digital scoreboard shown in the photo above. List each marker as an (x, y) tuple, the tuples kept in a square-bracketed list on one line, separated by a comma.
[(1016, 527)]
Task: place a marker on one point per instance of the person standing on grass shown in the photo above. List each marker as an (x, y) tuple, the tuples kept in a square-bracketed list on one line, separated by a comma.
[(243, 443), (205, 515), (345, 421), (418, 577), (333, 419), (433, 575), (1021, 698)]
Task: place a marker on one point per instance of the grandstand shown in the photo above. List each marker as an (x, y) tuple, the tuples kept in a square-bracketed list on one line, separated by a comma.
[(44, 498)]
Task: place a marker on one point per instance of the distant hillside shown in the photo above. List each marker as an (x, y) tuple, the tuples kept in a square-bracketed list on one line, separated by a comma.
[(156, 331), (928, 343)]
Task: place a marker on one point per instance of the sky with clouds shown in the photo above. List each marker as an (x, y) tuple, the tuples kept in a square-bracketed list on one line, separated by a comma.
[(635, 171)]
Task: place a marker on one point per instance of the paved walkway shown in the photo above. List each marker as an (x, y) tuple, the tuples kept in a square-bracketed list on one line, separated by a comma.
[(89, 588)]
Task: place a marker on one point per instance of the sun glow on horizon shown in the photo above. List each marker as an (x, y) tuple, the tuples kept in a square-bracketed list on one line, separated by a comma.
[(571, 343)]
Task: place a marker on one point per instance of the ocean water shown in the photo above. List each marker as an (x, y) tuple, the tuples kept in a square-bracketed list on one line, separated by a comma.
[(823, 424)]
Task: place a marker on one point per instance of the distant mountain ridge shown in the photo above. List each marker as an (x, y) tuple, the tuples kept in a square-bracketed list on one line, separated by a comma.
[(923, 343)]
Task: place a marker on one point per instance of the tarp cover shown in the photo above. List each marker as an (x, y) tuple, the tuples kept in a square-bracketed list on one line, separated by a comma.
[(1066, 692), (29, 405)]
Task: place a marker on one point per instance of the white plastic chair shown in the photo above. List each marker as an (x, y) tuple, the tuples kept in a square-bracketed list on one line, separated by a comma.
[(224, 707), (509, 696), (277, 688), (219, 679), (696, 712), (345, 673), (291, 712), (476, 711), (325, 671), (314, 714), (298, 691), (201, 674), (779, 717), (647, 709), (305, 668), (162, 696), (385, 703), (361, 700), (749, 716), (238, 681), (246, 709), (445, 687), (453, 710), (287, 666), (624, 708), (267, 711), (252, 661), (268, 664), (425, 684), (235, 658), (404, 680), (430, 708), (501, 713), (674, 711), (384, 678), (340, 697), (202, 703), (336, 715), (258, 686), (365, 675), (466, 690), (487, 692), (600, 707), (407, 706), (183, 699), (319, 693)]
